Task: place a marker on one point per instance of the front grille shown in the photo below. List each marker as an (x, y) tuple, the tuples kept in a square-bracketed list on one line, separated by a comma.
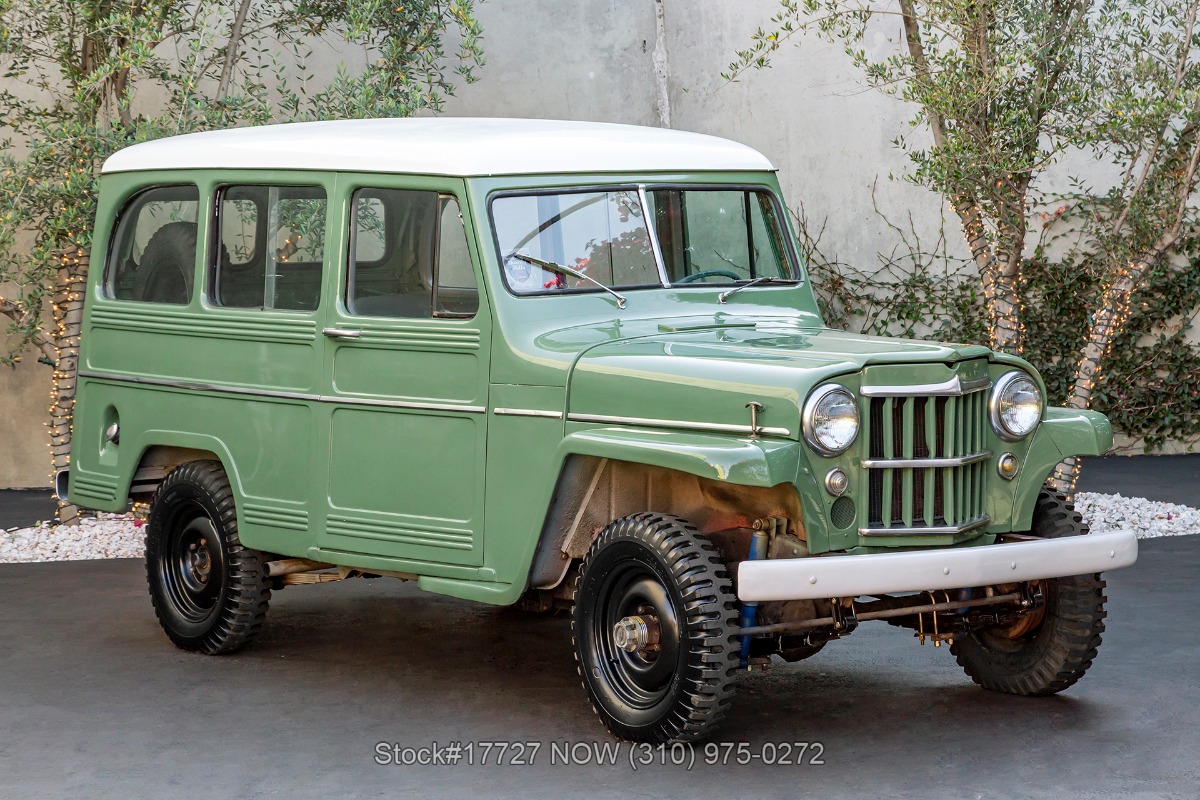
[(926, 460)]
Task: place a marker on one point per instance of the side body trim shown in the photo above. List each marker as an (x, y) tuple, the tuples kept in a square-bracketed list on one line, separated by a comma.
[(318, 398)]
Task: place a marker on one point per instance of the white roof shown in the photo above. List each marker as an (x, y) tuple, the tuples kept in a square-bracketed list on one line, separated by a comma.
[(459, 146)]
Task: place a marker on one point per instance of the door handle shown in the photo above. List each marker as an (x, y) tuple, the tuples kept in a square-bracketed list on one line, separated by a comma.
[(341, 333)]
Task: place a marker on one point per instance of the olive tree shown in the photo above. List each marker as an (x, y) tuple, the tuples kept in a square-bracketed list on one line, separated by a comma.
[(1142, 116), (984, 78), (1004, 89), (82, 80)]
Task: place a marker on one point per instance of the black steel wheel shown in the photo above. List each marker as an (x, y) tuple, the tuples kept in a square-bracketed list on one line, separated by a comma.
[(210, 593), (653, 629), (1049, 649)]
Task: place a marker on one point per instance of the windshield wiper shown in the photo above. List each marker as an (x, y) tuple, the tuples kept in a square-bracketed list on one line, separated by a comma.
[(550, 266), (723, 296)]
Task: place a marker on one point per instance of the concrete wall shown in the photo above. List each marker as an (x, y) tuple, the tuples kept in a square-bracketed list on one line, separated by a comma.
[(596, 60)]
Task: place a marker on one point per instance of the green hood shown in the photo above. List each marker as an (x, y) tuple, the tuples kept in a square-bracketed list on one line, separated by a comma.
[(695, 374)]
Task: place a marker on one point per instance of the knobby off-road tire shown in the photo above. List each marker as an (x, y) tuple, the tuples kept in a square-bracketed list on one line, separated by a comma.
[(210, 593), (165, 274), (656, 564), (1047, 655)]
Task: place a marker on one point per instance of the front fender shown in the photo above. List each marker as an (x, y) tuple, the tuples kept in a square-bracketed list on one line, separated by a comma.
[(746, 461), (1064, 432)]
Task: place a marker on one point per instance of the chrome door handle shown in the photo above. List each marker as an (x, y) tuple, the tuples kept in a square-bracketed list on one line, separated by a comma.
[(341, 333)]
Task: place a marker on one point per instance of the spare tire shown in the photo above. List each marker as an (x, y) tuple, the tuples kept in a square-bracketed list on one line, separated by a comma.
[(168, 264)]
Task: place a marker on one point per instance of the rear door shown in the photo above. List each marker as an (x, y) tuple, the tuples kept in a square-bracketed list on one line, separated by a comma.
[(407, 347)]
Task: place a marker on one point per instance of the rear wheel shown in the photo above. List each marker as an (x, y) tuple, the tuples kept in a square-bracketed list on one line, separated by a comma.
[(1047, 650), (210, 593), (653, 630)]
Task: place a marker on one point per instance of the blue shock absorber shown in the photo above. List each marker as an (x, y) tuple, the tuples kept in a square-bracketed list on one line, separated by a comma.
[(758, 550)]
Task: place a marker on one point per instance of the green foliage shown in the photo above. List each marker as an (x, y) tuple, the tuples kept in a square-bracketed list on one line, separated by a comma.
[(83, 80)]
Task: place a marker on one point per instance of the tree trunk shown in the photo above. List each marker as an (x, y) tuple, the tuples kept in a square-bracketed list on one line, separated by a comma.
[(68, 320), (1107, 324), (1001, 291)]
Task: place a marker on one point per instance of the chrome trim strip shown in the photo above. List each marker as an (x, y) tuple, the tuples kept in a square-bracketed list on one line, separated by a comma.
[(416, 406), (940, 568), (936, 530), (951, 388), (198, 386), (715, 427), (921, 463), (527, 412)]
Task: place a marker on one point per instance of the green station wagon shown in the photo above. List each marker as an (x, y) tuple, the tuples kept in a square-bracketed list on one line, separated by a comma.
[(559, 365)]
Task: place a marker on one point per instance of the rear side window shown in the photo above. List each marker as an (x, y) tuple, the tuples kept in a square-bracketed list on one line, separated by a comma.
[(409, 256), (152, 256), (271, 247)]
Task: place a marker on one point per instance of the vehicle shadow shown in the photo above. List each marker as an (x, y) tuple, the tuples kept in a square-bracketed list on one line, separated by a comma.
[(502, 665)]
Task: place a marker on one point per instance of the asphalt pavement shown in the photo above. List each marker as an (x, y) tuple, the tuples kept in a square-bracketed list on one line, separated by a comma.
[(96, 703)]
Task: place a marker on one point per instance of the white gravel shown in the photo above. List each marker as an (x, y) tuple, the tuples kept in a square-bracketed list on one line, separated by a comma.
[(121, 535), (105, 536), (1149, 518)]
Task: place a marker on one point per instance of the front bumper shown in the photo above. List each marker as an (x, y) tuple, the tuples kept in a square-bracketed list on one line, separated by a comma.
[(821, 577)]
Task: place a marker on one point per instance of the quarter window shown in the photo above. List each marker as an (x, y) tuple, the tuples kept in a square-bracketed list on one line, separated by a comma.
[(409, 256), (272, 247), (152, 257)]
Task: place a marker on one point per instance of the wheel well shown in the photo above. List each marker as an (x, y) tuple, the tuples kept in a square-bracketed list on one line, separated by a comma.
[(593, 491), (157, 462)]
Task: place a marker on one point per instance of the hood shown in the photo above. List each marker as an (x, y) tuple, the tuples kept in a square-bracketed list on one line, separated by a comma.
[(704, 376)]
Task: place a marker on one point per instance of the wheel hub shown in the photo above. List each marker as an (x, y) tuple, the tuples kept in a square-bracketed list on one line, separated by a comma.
[(636, 632), (199, 561)]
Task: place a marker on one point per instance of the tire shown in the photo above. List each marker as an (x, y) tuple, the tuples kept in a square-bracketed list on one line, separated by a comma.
[(210, 593), (659, 567), (168, 263), (1050, 652)]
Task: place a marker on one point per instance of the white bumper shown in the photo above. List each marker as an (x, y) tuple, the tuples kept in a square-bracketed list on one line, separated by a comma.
[(821, 577)]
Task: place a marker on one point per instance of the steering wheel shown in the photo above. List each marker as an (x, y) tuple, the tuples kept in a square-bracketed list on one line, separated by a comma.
[(708, 273)]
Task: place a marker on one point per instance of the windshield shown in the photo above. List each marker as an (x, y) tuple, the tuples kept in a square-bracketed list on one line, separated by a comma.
[(713, 236)]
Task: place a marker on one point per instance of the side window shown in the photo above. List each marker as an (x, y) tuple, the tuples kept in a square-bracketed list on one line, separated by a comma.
[(152, 254), (272, 247), (456, 292), (409, 256)]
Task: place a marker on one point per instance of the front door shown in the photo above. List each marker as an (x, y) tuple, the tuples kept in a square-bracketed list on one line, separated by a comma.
[(406, 360)]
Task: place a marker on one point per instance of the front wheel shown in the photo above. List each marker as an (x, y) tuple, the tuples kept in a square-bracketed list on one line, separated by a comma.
[(652, 626), (210, 593), (1047, 650)]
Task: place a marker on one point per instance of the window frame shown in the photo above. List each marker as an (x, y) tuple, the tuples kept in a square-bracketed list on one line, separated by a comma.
[(109, 273), (212, 261), (794, 263), (389, 245)]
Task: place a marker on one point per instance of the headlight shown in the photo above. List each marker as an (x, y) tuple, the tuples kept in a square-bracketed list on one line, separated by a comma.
[(830, 419), (1016, 406)]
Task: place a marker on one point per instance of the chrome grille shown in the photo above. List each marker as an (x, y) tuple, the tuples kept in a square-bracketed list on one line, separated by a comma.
[(926, 459)]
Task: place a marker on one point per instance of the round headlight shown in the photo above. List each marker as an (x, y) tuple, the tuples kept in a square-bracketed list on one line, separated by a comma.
[(1016, 406), (830, 419)]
